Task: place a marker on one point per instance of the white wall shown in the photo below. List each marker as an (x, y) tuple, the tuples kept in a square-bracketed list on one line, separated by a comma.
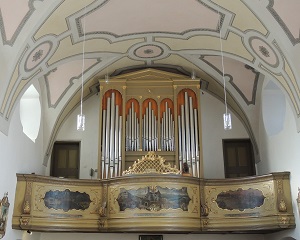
[(213, 133), (88, 139), (281, 152), (19, 154)]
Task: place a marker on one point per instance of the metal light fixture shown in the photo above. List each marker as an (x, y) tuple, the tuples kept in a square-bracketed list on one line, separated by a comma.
[(193, 75), (81, 116), (226, 115)]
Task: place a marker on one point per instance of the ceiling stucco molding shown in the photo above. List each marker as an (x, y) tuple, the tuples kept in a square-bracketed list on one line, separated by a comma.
[(11, 41), (260, 58), (280, 21), (74, 21), (85, 74), (231, 80)]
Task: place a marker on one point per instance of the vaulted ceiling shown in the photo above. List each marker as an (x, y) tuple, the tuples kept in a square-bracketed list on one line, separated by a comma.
[(46, 40)]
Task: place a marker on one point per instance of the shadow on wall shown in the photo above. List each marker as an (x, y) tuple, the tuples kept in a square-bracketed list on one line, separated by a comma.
[(273, 108)]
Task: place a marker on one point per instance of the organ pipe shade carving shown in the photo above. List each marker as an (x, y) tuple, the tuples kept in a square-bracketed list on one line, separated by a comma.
[(188, 141), (132, 125), (111, 160), (149, 126)]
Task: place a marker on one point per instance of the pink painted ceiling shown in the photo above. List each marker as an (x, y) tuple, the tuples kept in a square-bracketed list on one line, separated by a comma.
[(45, 41)]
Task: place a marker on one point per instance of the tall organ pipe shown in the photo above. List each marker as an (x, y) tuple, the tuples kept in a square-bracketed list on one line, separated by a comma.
[(120, 147), (111, 139), (179, 143), (188, 142), (116, 153), (197, 143), (103, 143), (193, 150), (112, 135), (183, 135), (107, 138), (187, 130)]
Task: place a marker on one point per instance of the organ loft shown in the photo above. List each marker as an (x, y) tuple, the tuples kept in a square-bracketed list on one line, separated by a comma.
[(150, 172)]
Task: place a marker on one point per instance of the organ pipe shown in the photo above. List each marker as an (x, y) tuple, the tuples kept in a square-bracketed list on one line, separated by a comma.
[(188, 136), (111, 139), (132, 130), (149, 134), (167, 130)]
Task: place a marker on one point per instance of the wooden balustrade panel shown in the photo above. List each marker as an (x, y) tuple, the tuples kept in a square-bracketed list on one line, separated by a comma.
[(154, 203)]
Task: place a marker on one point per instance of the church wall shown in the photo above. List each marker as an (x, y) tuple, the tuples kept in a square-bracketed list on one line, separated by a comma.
[(281, 152), (213, 133), (88, 139), (18, 155), (212, 125)]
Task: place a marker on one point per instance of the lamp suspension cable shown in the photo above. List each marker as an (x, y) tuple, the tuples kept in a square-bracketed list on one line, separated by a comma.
[(81, 116), (226, 115)]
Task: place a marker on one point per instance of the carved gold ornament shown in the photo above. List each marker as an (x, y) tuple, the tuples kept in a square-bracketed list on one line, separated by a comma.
[(151, 163)]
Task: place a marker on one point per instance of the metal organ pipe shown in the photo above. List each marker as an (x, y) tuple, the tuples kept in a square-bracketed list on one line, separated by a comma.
[(120, 147), (188, 136), (179, 143), (149, 134), (183, 145), (167, 130), (187, 130), (107, 135), (132, 130), (103, 150), (197, 143), (193, 151), (116, 153), (111, 139), (112, 135)]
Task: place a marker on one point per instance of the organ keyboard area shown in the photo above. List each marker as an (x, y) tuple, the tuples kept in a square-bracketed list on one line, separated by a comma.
[(149, 110)]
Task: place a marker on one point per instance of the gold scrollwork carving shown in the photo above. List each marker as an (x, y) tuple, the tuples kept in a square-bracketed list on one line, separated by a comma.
[(279, 187), (26, 207), (24, 221), (205, 223), (282, 206), (195, 210), (95, 201), (102, 223), (204, 210), (284, 220), (27, 199), (102, 210), (151, 163)]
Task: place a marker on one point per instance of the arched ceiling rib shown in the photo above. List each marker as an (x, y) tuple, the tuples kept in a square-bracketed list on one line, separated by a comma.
[(258, 37)]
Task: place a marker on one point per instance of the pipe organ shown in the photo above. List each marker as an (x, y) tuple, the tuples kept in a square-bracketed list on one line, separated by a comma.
[(161, 113), (149, 132), (188, 131), (132, 126), (167, 126), (111, 134)]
